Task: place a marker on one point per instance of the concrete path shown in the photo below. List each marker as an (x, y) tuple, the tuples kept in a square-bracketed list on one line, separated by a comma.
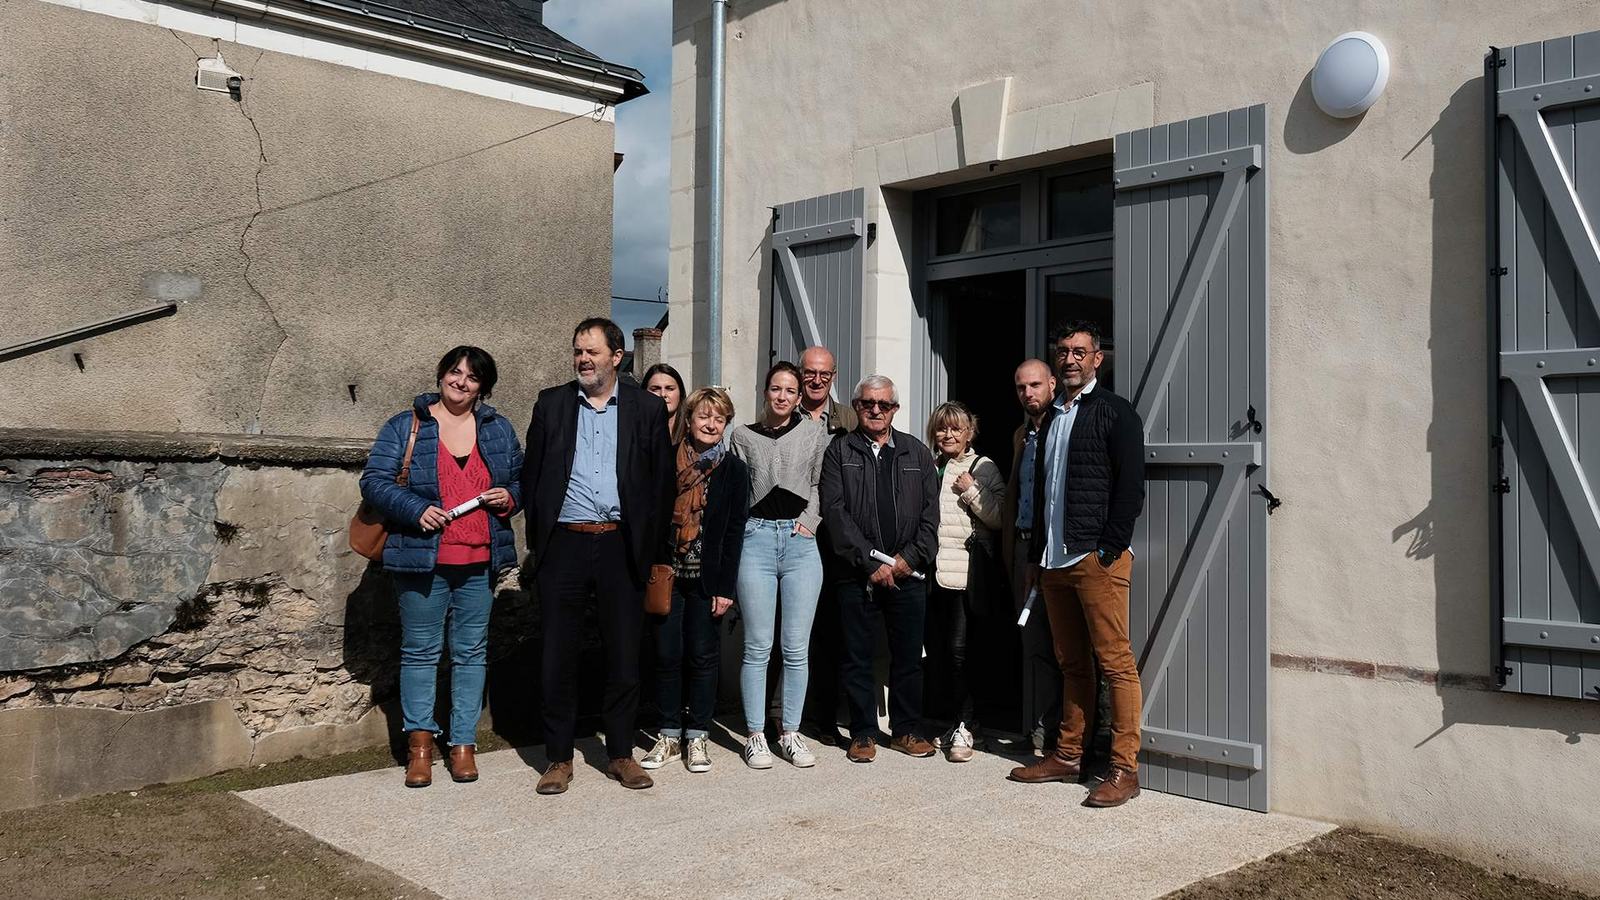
[(897, 827)]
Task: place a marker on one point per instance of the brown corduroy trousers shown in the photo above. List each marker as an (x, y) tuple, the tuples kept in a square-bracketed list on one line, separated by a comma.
[(1088, 606)]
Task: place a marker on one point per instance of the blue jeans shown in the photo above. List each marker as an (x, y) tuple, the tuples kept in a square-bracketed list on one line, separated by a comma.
[(687, 630), (776, 562), (464, 594)]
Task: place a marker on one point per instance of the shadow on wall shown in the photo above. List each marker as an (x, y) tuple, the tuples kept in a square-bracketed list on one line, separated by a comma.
[(1307, 129)]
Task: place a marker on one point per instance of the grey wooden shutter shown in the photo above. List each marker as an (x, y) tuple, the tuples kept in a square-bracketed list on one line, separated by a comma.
[(1545, 284), (819, 250), (1191, 334)]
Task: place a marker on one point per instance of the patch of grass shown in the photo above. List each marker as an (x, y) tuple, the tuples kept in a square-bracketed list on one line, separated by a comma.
[(193, 839), (1355, 864)]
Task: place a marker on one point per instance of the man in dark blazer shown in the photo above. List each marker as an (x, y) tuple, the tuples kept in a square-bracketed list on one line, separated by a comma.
[(597, 484)]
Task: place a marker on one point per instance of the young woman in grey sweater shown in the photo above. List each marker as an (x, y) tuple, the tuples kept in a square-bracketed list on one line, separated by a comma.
[(780, 561)]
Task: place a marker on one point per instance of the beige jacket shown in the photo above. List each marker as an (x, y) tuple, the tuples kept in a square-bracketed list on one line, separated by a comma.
[(960, 515)]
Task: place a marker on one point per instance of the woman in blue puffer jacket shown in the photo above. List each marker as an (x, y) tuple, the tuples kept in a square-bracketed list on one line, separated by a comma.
[(445, 565)]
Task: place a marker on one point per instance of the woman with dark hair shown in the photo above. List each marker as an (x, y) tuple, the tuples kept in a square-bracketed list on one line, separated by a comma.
[(448, 509), (708, 520), (781, 561), (665, 382)]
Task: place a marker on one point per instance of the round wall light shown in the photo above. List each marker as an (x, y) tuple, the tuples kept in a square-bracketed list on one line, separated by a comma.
[(1350, 75)]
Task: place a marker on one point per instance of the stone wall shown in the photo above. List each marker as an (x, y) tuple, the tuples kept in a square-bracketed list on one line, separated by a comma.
[(197, 592)]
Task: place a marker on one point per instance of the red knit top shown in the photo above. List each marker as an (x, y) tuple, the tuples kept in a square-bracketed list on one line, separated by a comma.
[(465, 541)]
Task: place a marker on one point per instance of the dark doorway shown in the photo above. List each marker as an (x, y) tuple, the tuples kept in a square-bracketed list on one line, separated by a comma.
[(986, 316)]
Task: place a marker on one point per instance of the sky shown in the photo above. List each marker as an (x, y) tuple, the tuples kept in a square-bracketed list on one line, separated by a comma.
[(637, 33)]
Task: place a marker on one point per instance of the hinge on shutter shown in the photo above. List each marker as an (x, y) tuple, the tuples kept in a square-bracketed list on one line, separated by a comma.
[(1503, 486), (1498, 270), (1250, 420), (1503, 672)]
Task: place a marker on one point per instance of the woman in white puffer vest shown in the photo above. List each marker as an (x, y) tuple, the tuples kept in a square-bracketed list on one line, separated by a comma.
[(971, 494)]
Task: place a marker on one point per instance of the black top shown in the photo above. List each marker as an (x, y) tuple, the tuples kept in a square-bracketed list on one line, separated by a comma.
[(462, 460), (768, 431), (1104, 491)]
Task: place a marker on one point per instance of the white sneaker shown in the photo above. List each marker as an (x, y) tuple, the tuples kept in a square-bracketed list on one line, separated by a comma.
[(792, 748), (958, 743), (665, 751), (697, 755), (756, 754)]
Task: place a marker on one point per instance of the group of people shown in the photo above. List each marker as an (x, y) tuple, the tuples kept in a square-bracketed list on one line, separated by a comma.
[(811, 500)]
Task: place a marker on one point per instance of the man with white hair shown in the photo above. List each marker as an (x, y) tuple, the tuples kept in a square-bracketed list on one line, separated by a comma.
[(880, 504)]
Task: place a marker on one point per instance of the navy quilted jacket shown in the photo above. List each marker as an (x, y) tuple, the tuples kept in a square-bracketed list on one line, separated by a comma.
[(409, 549)]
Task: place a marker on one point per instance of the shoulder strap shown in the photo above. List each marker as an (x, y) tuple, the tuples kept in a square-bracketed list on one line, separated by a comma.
[(404, 478)]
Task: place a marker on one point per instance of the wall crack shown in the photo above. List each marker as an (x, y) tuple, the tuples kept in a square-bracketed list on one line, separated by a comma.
[(249, 261)]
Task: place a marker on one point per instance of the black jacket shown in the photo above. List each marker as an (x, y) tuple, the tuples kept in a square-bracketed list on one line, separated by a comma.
[(1105, 476), (849, 494), (722, 527), (646, 471)]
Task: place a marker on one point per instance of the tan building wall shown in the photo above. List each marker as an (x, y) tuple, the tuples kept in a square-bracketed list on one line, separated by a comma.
[(345, 227), (1379, 574)]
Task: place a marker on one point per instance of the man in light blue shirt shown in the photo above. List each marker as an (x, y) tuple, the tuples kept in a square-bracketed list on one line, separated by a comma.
[(1091, 466), (592, 485)]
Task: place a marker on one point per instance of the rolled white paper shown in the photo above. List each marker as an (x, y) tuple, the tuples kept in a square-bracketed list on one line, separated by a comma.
[(464, 508), (888, 560), (1027, 607)]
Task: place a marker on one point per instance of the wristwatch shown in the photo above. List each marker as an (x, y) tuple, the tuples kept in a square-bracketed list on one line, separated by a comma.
[(1107, 558)]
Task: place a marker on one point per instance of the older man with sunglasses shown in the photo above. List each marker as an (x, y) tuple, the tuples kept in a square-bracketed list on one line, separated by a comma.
[(880, 503)]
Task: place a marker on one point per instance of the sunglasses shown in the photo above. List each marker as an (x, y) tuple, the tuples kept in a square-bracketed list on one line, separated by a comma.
[(884, 405)]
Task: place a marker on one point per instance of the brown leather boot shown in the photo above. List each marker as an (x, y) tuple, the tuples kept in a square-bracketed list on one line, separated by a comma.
[(629, 773), (419, 762), (1120, 786), (463, 763), (1051, 768), (556, 778)]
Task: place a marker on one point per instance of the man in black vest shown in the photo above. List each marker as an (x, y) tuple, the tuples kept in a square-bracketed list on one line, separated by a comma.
[(880, 503), (598, 484), (1088, 491)]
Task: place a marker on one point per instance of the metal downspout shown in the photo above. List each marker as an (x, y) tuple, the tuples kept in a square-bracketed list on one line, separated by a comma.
[(719, 27)]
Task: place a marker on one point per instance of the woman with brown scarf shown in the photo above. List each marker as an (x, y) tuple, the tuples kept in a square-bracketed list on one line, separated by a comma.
[(708, 534)]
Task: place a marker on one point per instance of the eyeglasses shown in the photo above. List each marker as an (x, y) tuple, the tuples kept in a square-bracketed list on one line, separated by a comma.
[(1074, 352), (884, 405), (815, 375)]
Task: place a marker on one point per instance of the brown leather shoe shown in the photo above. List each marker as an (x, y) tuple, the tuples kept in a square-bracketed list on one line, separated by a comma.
[(463, 763), (629, 773), (1051, 768), (556, 778), (862, 750), (911, 745), (419, 759), (1120, 786)]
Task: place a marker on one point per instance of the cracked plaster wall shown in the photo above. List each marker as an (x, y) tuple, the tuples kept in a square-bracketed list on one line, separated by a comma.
[(196, 598), (344, 227)]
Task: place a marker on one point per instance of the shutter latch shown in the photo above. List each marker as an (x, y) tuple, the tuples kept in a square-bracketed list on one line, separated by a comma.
[(1503, 486), (1272, 501)]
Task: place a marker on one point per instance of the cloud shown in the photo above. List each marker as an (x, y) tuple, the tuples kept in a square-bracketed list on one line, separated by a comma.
[(637, 33)]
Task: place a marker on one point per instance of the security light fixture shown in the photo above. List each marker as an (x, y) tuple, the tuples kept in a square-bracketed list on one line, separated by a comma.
[(1350, 75)]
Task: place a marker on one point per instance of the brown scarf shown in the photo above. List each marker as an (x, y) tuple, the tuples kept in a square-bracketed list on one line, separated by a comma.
[(687, 510)]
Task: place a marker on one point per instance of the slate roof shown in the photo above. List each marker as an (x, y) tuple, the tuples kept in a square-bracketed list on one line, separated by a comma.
[(500, 24)]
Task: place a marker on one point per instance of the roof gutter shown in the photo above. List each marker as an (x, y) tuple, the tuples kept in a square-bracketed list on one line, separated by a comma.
[(529, 64)]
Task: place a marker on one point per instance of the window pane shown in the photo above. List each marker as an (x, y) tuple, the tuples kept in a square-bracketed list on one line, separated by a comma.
[(1082, 295), (980, 220), (1080, 204)]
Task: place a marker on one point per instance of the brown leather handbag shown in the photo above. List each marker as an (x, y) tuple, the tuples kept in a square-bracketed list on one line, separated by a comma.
[(658, 590), (368, 530)]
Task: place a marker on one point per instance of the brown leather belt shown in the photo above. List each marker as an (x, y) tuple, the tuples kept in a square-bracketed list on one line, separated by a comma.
[(590, 527)]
